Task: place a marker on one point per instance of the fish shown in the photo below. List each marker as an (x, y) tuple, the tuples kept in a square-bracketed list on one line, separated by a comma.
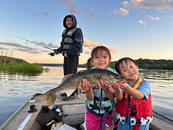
[(71, 81)]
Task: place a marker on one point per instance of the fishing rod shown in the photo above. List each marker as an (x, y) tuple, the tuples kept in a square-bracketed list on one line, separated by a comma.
[(52, 53)]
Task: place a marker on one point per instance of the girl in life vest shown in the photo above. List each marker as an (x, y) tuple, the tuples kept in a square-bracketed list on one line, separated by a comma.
[(99, 114), (134, 108)]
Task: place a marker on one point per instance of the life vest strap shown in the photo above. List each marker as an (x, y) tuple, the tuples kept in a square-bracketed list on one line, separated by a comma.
[(64, 35), (100, 107), (104, 120), (66, 43), (101, 98)]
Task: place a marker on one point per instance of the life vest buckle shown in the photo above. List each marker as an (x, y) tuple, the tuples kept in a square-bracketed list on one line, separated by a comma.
[(138, 122), (133, 110)]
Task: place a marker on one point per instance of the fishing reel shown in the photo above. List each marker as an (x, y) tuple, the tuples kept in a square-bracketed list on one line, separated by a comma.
[(53, 53)]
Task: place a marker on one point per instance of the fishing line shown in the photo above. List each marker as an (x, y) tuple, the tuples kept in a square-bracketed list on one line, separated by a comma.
[(32, 42)]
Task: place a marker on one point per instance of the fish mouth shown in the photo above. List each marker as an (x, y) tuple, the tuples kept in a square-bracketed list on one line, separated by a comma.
[(121, 81)]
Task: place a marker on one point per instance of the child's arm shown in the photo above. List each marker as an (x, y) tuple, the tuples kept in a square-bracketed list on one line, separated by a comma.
[(133, 92), (108, 91), (88, 89)]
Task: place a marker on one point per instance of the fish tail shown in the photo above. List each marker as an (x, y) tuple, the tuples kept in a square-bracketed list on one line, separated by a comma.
[(50, 97)]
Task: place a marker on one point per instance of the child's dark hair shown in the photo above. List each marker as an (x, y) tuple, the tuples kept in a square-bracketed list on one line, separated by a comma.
[(117, 68), (89, 64), (100, 48)]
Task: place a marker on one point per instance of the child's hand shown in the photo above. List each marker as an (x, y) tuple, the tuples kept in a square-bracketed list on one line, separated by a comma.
[(124, 86), (103, 85), (116, 87), (86, 86)]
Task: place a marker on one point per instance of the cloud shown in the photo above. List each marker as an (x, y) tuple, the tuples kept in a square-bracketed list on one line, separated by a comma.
[(20, 47), (152, 18), (44, 44), (93, 14), (87, 52), (80, 14), (114, 24), (35, 14), (45, 14), (32, 51), (154, 35), (28, 10), (112, 50), (142, 12), (91, 45), (1, 48), (88, 43), (128, 6), (12, 44), (141, 21), (26, 48), (122, 12), (156, 4), (168, 17), (141, 38), (14, 7), (73, 10), (70, 3)]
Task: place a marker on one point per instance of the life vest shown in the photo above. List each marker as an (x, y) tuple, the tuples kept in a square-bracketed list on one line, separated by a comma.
[(67, 40), (140, 111), (100, 104)]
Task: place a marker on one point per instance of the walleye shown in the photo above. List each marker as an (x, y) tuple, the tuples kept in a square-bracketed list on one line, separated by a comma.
[(70, 82)]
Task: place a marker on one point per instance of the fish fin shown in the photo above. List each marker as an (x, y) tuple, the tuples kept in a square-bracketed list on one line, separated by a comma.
[(50, 97), (65, 77), (69, 92)]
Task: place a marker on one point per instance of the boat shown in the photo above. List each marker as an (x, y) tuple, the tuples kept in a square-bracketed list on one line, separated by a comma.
[(35, 115)]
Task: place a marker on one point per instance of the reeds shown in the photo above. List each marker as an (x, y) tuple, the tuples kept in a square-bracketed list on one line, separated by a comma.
[(21, 68)]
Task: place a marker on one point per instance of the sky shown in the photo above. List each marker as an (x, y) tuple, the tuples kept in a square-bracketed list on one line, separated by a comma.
[(129, 28)]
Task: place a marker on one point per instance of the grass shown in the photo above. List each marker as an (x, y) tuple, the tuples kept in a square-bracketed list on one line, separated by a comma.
[(22, 68)]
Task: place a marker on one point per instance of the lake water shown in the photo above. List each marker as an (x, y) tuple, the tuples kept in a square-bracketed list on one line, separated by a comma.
[(16, 90)]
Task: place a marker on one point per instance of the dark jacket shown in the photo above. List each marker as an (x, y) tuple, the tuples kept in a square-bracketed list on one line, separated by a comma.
[(77, 38)]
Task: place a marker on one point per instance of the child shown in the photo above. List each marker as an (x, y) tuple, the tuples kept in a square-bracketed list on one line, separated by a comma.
[(134, 108), (99, 113), (71, 44)]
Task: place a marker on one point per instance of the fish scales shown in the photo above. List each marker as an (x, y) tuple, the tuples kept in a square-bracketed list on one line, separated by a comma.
[(71, 82)]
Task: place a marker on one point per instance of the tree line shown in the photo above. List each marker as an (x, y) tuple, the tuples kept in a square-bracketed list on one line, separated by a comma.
[(161, 64)]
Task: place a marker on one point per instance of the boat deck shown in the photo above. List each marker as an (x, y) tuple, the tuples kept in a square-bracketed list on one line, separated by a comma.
[(23, 120), (23, 114)]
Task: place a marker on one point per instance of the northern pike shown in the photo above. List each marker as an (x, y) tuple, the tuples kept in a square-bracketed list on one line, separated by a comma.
[(71, 81)]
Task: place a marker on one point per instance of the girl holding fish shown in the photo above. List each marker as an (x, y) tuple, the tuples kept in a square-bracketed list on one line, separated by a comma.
[(99, 114)]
